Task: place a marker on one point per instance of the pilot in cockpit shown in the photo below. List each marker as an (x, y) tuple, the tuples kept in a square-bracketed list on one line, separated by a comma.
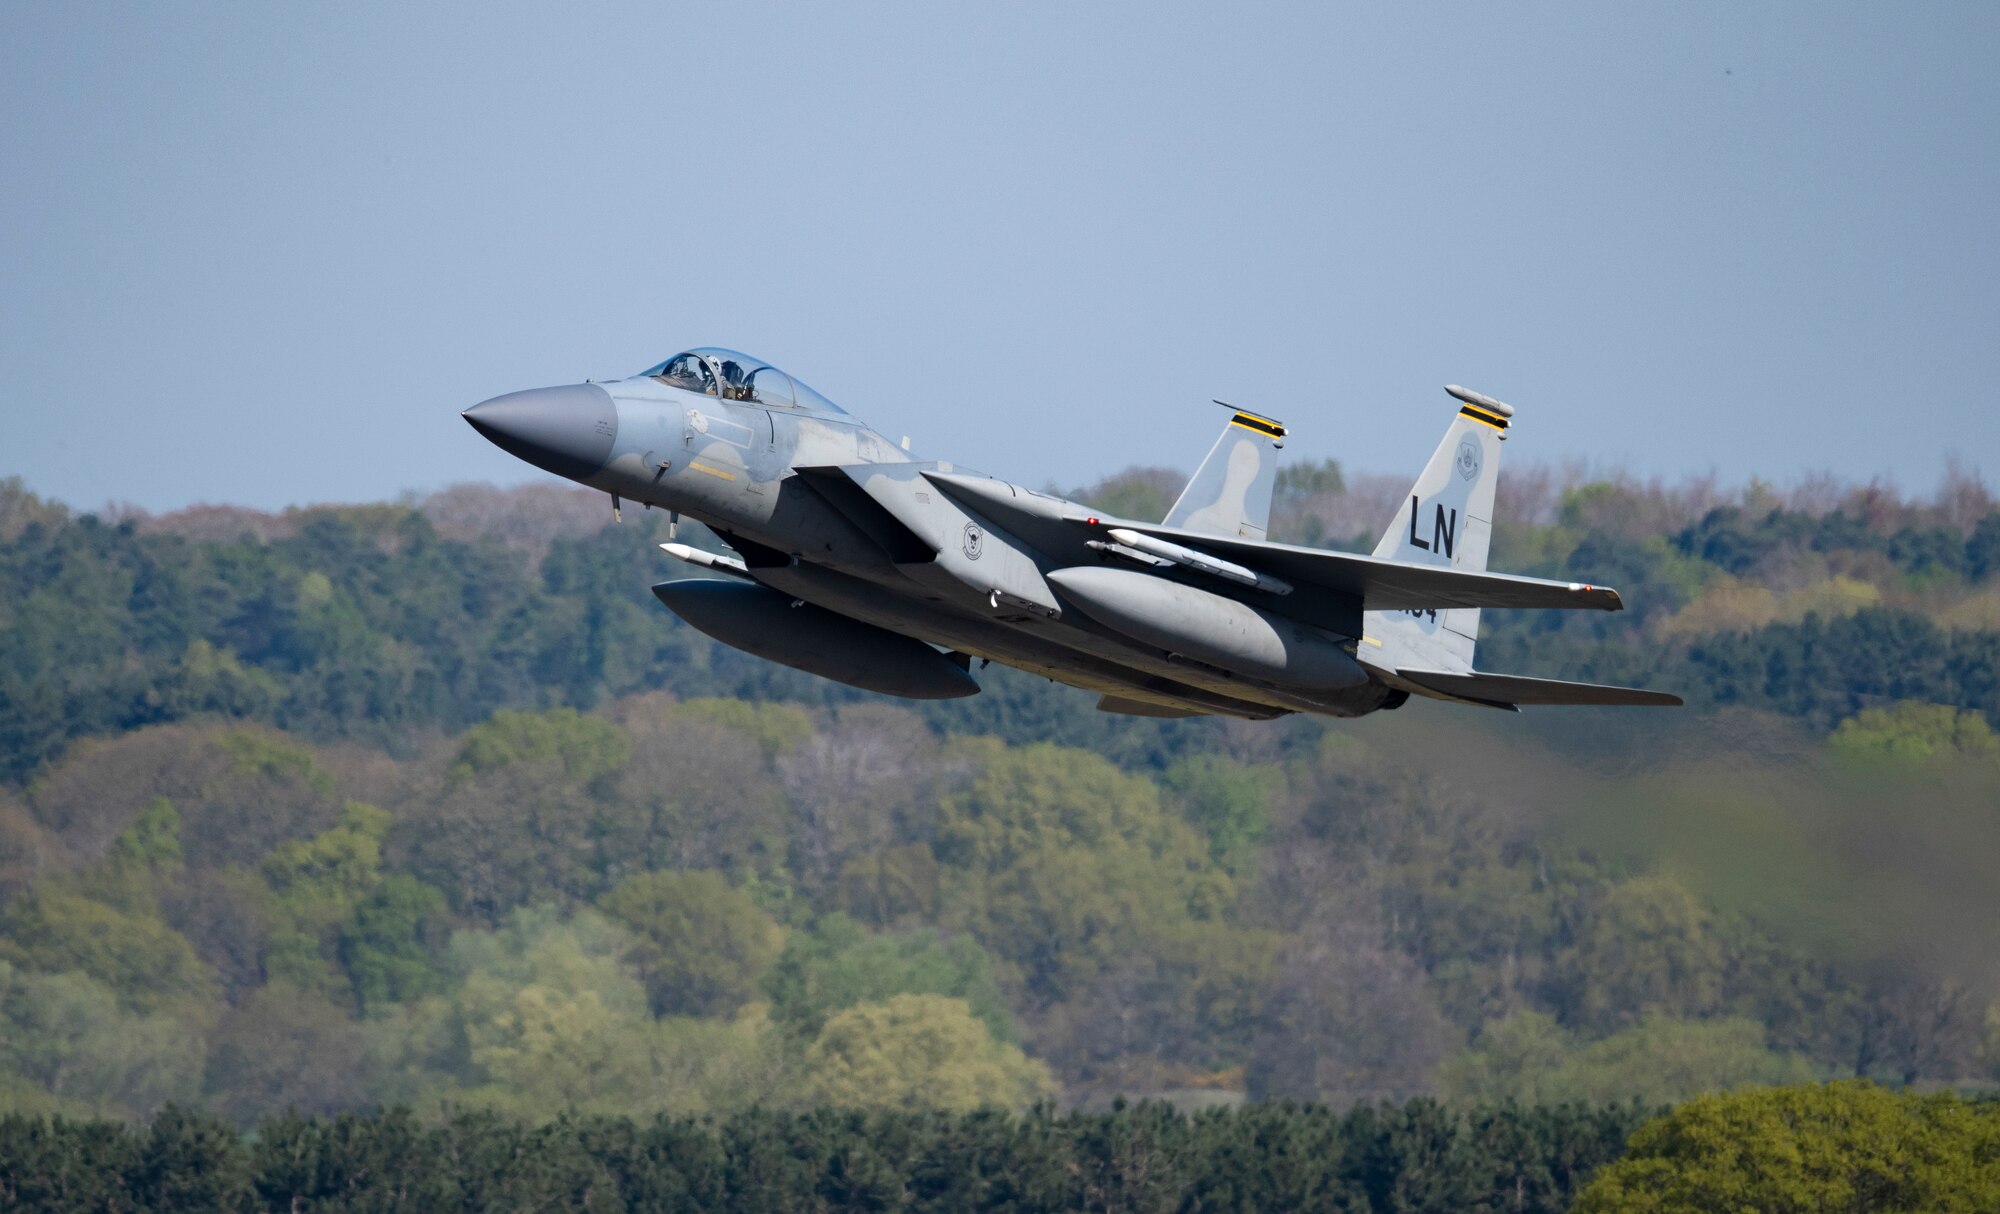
[(690, 371), (735, 381)]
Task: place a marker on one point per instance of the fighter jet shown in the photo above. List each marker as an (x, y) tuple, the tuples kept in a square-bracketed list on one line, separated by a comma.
[(861, 563)]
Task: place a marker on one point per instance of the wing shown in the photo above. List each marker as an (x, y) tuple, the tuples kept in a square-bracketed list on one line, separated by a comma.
[(1382, 585)]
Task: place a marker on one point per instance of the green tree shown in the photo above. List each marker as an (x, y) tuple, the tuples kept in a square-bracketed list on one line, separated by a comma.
[(1649, 947), (67, 1037), (1916, 731), (836, 964), (1137, 493), (1800, 1150), (584, 748), (699, 793), (154, 838), (777, 728), (1062, 865), (919, 1052), (387, 949), (1661, 1060), (148, 964), (545, 1016), (318, 885), (1228, 802), (1513, 1059), (703, 945)]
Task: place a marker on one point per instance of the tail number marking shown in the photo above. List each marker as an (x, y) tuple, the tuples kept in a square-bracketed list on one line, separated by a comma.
[(1444, 529)]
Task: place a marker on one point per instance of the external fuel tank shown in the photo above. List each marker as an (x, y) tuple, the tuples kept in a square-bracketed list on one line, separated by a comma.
[(1210, 628), (779, 628)]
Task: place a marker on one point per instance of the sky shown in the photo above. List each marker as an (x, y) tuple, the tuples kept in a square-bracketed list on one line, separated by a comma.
[(264, 254)]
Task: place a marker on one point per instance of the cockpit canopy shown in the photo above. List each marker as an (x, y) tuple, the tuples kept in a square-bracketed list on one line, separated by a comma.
[(730, 375)]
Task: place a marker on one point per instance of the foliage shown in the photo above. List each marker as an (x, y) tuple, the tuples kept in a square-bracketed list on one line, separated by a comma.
[(1529, 1057), (64, 1038), (1649, 947), (1841, 1146), (837, 964), (146, 964), (286, 1048), (386, 949), (1227, 801), (1141, 1157), (916, 1052), (583, 748), (1059, 862), (704, 946), (1912, 731), (599, 844)]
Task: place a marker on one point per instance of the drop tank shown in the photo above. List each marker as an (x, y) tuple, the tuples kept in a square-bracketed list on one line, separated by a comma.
[(1221, 632)]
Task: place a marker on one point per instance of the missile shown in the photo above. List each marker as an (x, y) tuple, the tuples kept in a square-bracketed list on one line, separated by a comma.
[(1201, 562), (1481, 399), (707, 560)]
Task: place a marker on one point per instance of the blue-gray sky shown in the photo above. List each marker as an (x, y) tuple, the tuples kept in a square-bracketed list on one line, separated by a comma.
[(265, 253)]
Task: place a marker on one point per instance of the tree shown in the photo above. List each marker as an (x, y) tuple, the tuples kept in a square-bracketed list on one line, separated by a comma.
[(388, 949), (317, 886), (1141, 493), (1661, 1060), (836, 964), (1228, 802), (237, 792), (916, 1052), (285, 1049), (1913, 731), (154, 838), (855, 789), (1346, 1020), (1062, 865), (1650, 947), (68, 1037), (698, 793), (26, 850), (1838, 1146), (703, 946), (1513, 1059), (584, 748), (777, 728), (147, 963)]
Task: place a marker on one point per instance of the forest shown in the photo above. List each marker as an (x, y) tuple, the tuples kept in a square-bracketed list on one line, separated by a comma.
[(427, 805)]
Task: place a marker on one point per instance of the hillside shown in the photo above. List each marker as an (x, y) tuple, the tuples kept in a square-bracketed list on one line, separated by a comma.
[(428, 802)]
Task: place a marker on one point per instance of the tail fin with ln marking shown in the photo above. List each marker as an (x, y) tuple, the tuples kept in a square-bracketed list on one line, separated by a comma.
[(1446, 520)]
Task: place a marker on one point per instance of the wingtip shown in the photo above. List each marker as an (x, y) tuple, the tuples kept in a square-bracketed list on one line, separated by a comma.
[(1604, 598)]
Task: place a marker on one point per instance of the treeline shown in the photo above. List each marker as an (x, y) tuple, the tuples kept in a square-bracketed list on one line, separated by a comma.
[(709, 905), (1407, 1159), (512, 850), (376, 622)]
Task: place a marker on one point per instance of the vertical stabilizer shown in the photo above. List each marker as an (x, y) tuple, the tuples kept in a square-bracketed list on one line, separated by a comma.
[(1446, 519), (1231, 491)]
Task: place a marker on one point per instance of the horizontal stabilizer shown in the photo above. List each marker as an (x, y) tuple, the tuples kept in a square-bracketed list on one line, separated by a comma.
[(1141, 708), (1519, 689), (1383, 585)]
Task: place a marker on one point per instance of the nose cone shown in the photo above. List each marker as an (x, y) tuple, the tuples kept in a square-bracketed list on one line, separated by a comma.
[(567, 430)]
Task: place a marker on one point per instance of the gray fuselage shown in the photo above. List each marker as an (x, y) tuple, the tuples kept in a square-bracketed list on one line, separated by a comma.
[(824, 509)]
